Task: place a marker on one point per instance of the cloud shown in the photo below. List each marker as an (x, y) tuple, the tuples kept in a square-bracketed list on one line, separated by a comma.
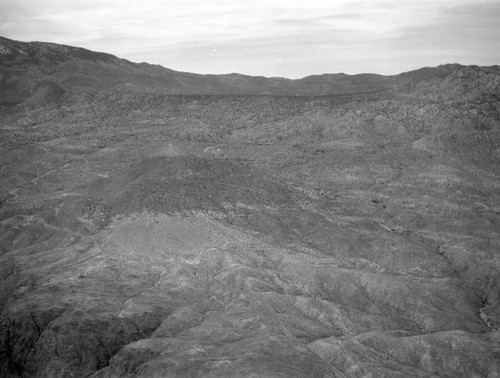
[(387, 36)]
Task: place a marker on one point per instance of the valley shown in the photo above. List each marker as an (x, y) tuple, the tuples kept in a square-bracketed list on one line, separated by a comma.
[(180, 226)]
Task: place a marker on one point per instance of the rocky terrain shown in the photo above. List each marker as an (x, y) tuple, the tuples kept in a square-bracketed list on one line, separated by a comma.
[(164, 224)]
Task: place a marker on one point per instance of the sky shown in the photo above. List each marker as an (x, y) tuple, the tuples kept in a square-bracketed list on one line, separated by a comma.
[(286, 38)]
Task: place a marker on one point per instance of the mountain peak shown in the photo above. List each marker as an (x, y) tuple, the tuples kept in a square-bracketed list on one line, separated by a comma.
[(52, 51)]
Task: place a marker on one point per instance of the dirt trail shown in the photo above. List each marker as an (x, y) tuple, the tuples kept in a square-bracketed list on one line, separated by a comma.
[(39, 177)]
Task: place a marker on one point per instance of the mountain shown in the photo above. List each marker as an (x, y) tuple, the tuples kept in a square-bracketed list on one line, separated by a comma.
[(27, 66), (159, 223)]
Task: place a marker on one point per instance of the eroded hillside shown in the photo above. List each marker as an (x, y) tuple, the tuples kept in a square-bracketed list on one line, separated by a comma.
[(144, 234)]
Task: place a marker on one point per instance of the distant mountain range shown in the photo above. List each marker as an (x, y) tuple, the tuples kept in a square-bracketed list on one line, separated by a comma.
[(24, 66)]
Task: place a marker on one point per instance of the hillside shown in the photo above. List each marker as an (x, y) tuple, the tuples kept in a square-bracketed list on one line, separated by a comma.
[(28, 66), (158, 223)]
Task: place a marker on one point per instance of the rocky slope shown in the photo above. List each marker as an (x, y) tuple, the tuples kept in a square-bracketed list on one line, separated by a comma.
[(146, 234)]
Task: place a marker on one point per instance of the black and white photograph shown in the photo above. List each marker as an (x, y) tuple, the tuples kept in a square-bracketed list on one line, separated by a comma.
[(254, 188)]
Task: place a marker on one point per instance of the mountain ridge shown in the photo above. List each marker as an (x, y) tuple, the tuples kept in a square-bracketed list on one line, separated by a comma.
[(17, 55), (50, 49)]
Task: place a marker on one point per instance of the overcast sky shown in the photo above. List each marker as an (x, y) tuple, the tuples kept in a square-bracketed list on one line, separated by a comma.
[(268, 37)]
